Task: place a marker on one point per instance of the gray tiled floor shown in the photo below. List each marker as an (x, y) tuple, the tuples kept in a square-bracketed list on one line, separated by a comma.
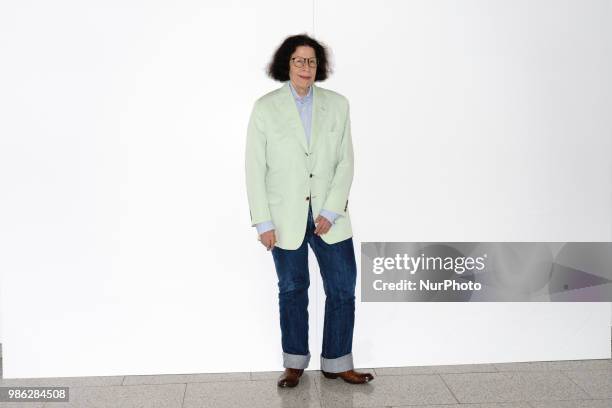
[(538, 384)]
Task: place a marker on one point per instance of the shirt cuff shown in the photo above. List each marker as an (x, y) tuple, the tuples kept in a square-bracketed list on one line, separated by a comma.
[(264, 226), (330, 215)]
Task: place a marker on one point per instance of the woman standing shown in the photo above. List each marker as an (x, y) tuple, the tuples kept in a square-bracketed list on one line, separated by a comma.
[(299, 162)]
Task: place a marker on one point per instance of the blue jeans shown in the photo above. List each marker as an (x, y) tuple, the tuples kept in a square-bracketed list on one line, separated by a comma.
[(339, 272)]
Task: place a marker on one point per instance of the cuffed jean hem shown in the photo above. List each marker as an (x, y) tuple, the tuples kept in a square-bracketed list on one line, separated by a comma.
[(337, 365), (295, 360)]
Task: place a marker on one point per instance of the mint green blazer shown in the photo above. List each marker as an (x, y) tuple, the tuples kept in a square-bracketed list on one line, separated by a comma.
[(283, 172)]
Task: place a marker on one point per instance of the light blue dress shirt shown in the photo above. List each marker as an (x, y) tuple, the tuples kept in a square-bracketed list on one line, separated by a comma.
[(304, 106)]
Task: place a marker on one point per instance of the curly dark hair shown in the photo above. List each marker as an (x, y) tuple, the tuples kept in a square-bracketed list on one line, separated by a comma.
[(278, 68)]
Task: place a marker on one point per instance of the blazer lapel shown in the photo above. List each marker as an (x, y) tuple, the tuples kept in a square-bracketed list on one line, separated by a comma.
[(289, 110)]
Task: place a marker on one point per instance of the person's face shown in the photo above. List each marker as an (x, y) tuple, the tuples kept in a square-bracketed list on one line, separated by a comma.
[(302, 77)]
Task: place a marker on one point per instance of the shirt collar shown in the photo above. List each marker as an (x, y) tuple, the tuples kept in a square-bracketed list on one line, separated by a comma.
[(299, 98)]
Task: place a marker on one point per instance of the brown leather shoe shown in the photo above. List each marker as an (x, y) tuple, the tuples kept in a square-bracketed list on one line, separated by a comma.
[(290, 378), (350, 376)]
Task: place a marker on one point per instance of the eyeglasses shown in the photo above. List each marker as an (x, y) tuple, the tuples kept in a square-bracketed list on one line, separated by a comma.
[(299, 62)]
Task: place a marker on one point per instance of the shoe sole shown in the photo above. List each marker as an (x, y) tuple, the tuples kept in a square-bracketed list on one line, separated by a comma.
[(334, 376), (330, 375), (286, 385)]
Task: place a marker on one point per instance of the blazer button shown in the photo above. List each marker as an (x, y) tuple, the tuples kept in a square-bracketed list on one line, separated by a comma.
[(310, 174), (307, 198)]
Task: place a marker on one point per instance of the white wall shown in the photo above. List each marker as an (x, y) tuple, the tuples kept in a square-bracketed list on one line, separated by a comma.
[(126, 245)]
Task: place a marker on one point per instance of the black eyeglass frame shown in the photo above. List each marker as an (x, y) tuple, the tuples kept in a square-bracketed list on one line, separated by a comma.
[(308, 60)]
